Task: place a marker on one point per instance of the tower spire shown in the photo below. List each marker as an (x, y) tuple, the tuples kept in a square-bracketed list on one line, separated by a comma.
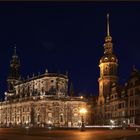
[(108, 33), (14, 74), (108, 37), (108, 67), (15, 50), (134, 68), (14, 65)]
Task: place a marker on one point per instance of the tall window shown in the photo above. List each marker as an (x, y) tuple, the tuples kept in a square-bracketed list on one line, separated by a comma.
[(23, 118), (38, 118), (131, 92), (61, 118)]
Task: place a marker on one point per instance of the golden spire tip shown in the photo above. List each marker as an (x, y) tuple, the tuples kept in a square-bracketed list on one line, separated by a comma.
[(108, 33)]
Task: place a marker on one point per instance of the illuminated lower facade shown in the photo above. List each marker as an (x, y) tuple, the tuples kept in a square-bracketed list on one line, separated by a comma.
[(38, 101), (40, 113)]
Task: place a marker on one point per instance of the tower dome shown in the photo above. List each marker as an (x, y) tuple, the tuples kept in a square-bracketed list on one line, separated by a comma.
[(108, 58), (108, 68)]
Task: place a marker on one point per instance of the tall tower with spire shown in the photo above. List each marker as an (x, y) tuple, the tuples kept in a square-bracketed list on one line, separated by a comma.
[(108, 68), (14, 73)]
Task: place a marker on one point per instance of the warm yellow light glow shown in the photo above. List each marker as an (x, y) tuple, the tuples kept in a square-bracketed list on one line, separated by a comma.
[(83, 111), (79, 121), (41, 97), (111, 121), (81, 97), (49, 122)]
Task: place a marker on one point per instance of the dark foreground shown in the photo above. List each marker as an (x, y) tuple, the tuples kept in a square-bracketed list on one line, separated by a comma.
[(89, 134)]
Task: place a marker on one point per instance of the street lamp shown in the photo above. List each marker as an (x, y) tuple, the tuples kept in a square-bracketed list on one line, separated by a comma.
[(124, 124), (83, 111), (49, 125), (81, 97), (112, 122)]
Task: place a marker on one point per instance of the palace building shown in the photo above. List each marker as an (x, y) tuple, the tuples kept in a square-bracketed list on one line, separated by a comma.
[(39, 101), (116, 104)]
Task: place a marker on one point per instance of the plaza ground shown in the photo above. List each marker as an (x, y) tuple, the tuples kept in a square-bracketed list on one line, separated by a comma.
[(75, 134)]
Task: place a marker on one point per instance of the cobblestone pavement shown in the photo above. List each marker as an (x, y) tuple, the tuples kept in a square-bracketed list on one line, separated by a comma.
[(89, 134)]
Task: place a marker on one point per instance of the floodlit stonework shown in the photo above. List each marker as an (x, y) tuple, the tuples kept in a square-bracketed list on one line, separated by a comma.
[(116, 104), (39, 101)]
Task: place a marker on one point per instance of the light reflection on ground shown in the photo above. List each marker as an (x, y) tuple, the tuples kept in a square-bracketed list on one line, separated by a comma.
[(75, 134)]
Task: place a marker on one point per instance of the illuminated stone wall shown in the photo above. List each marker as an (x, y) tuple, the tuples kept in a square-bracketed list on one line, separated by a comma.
[(41, 112)]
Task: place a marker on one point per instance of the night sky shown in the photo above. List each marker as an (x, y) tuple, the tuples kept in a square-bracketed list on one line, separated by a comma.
[(68, 37)]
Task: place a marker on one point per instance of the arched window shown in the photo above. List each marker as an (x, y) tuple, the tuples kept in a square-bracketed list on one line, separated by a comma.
[(61, 118), (38, 118)]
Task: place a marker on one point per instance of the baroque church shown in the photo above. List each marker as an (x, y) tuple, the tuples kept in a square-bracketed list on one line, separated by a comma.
[(43, 99), (38, 101)]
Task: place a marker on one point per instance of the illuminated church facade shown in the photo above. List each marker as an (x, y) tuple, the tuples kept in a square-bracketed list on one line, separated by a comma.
[(43, 99), (39, 100)]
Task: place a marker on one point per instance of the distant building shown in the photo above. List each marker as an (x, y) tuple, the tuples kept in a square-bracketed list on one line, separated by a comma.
[(39, 101), (132, 106), (117, 104)]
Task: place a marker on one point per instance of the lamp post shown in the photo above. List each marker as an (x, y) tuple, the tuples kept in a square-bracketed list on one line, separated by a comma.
[(112, 123), (83, 111), (124, 124), (49, 125)]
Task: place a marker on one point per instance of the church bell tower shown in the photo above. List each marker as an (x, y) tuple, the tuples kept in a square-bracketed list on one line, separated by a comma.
[(14, 75), (108, 68)]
